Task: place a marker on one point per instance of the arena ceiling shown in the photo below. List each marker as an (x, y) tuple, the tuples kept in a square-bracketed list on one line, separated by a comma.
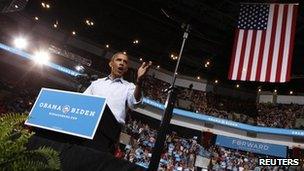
[(156, 24)]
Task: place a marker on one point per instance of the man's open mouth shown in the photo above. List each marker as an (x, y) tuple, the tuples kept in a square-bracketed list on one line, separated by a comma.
[(120, 69)]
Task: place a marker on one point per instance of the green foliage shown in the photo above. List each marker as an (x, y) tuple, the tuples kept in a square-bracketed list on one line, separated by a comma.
[(13, 153)]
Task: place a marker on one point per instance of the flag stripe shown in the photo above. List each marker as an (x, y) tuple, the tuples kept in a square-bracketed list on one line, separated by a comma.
[(238, 54), (256, 55), (267, 44), (293, 31), (286, 44), (276, 49), (252, 48), (281, 48), (240, 69), (261, 55), (246, 55), (236, 35), (272, 41)]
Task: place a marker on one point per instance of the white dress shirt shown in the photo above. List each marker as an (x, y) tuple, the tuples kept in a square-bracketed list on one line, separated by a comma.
[(118, 93)]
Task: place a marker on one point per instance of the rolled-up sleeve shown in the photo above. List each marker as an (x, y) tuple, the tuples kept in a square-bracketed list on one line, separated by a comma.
[(89, 90), (131, 100)]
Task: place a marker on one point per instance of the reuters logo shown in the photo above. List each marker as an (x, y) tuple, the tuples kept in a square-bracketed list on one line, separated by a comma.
[(66, 109)]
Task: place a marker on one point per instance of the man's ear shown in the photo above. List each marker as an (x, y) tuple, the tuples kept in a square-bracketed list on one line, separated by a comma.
[(110, 64)]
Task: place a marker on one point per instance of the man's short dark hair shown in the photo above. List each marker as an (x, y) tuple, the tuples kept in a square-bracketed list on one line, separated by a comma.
[(116, 54)]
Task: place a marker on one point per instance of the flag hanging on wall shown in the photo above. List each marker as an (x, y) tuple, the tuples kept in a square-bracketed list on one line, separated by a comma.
[(263, 43)]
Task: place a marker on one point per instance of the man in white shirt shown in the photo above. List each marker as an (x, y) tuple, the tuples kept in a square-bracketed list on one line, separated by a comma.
[(119, 92)]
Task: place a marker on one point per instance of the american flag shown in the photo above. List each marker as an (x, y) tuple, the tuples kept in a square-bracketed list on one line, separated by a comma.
[(263, 43)]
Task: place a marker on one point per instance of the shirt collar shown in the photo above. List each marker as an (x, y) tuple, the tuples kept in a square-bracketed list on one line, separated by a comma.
[(114, 80)]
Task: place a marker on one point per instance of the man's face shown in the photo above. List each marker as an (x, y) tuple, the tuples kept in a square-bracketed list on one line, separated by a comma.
[(119, 65)]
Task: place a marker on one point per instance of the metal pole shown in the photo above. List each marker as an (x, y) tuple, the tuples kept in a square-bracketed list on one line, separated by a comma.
[(167, 115)]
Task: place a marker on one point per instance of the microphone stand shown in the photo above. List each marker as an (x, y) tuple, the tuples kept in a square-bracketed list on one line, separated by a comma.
[(167, 114)]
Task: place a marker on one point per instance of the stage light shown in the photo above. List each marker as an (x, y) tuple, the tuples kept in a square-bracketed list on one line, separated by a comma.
[(173, 56), (290, 92), (237, 86), (124, 52), (36, 18), (275, 91), (45, 5), (136, 41), (140, 59), (41, 57), (158, 67), (259, 90), (79, 68), (20, 43), (215, 81), (55, 25), (16, 6), (107, 45), (74, 32), (89, 22), (207, 63), (198, 77)]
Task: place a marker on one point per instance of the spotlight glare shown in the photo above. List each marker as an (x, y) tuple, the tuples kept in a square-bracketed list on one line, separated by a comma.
[(36, 18), (79, 68), (16, 6), (237, 86), (43, 4), (290, 92), (74, 32), (20, 43), (140, 59), (107, 45), (158, 67), (275, 90), (259, 90), (198, 77), (216, 81), (136, 41), (41, 57), (47, 5), (124, 52)]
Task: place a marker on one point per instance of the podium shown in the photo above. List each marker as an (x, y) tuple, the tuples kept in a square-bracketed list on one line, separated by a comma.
[(106, 135)]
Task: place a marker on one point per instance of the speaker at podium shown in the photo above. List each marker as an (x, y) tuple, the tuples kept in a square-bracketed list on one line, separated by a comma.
[(80, 127)]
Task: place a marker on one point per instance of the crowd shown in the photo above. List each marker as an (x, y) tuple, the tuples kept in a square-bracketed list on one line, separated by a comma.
[(282, 116), (269, 115), (245, 111), (15, 98), (180, 153)]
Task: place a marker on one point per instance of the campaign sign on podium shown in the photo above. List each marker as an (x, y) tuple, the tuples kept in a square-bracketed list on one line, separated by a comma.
[(67, 112)]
